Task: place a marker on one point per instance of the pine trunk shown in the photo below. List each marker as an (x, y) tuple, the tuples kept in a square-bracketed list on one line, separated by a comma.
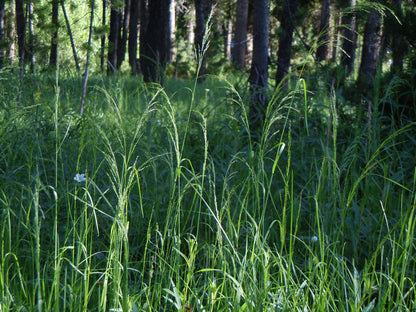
[(349, 39), (322, 53), (371, 48), (240, 34), (285, 41), (259, 65)]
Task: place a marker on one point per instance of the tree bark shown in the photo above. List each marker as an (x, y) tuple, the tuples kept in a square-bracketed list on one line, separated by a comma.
[(371, 48), (240, 34), (71, 38), (133, 35), (124, 27), (113, 40), (155, 45), (31, 46), (202, 10), (259, 65), (349, 39), (53, 58), (285, 41), (2, 37), (399, 45), (322, 53), (21, 30)]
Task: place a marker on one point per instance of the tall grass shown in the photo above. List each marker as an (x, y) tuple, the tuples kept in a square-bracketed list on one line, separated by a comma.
[(179, 210)]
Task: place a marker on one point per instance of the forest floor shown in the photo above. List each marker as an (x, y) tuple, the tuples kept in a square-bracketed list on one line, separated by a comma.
[(160, 199)]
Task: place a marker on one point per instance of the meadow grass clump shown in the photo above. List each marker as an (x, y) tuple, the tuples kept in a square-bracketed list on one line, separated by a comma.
[(158, 199)]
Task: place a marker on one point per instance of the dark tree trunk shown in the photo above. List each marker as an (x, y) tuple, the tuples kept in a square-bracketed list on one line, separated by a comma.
[(155, 46), (125, 21), (113, 40), (202, 10), (54, 40), (103, 23), (399, 45), (21, 30), (133, 33), (240, 34), (371, 48), (259, 65), (285, 41), (349, 39), (143, 4), (2, 37), (322, 53)]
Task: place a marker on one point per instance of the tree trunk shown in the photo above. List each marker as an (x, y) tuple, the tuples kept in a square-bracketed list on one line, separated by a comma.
[(2, 37), (202, 10), (31, 45), (240, 34), (259, 65), (285, 41), (155, 45), (53, 58), (349, 39), (133, 35), (322, 53), (71, 38), (371, 48), (103, 23), (124, 27), (228, 37), (21, 30), (399, 45), (113, 40)]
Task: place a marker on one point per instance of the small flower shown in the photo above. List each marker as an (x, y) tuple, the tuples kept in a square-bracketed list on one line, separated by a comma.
[(80, 177), (314, 239)]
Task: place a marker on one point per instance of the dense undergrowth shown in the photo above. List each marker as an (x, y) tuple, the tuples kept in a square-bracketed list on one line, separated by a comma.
[(180, 209)]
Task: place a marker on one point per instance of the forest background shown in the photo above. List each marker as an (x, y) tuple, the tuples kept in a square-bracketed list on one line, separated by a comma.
[(207, 155)]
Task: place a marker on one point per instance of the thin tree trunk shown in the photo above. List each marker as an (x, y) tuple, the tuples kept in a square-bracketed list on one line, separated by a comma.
[(228, 37), (285, 41), (133, 35), (87, 66), (2, 37), (349, 40), (54, 40), (31, 41), (71, 38), (371, 48), (125, 21), (259, 65), (102, 51), (399, 45), (240, 34), (322, 53)]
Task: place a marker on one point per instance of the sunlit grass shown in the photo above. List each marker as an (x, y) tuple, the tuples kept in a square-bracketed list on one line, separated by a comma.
[(179, 209)]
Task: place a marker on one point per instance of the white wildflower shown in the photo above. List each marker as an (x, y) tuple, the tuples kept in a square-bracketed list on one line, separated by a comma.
[(80, 177)]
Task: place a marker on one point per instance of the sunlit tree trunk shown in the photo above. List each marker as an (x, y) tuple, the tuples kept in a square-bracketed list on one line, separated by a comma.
[(103, 23), (54, 40), (259, 65), (71, 38), (240, 34), (371, 48), (285, 41), (349, 39), (31, 41), (322, 53)]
